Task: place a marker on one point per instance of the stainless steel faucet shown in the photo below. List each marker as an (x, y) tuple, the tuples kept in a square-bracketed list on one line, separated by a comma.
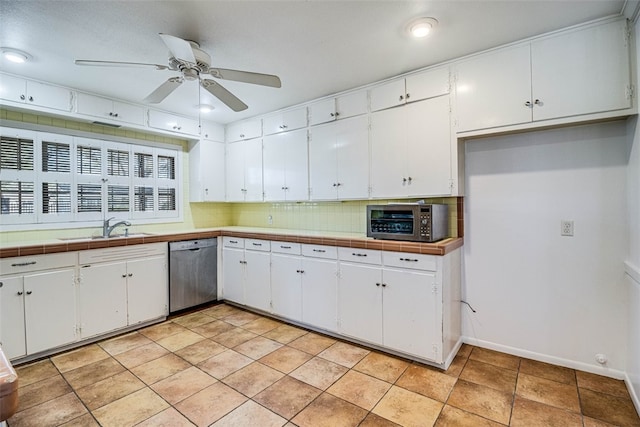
[(107, 229)]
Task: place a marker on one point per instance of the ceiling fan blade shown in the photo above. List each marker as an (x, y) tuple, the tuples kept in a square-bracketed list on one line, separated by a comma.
[(179, 48), (223, 95), (246, 77), (118, 64), (164, 90)]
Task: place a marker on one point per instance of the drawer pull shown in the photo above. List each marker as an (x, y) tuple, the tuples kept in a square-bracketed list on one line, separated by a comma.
[(409, 259), (355, 254), (285, 247), (22, 264), (233, 241), (257, 244), (319, 251)]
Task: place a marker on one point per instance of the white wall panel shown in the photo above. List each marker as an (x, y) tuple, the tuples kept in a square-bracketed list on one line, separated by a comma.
[(558, 298)]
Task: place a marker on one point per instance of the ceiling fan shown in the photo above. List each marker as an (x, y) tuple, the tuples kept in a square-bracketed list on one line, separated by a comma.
[(192, 62)]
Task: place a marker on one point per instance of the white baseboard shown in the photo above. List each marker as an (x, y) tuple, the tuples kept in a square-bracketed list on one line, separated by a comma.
[(632, 392), (607, 372)]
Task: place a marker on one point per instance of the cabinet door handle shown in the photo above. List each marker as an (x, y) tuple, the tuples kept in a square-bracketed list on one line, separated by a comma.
[(528, 104), (29, 292), (319, 250), (377, 284), (404, 179), (22, 264), (409, 259), (19, 293), (407, 96), (537, 102), (31, 98), (401, 98), (130, 274), (409, 179), (285, 247), (355, 254), (257, 244), (23, 97), (384, 285), (1, 284), (332, 114)]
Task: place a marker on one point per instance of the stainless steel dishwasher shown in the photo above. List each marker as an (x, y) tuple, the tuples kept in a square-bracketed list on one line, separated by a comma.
[(193, 273)]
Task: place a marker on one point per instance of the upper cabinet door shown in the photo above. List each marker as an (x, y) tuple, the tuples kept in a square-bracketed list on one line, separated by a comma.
[(388, 95), (428, 84), (246, 129), (581, 72), (323, 162), (212, 131), (173, 123), (285, 121), (352, 104), (108, 109), (29, 92), (322, 111), (494, 89)]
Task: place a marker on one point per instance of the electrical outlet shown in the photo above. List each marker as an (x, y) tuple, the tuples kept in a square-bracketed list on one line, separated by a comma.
[(270, 219), (566, 227)]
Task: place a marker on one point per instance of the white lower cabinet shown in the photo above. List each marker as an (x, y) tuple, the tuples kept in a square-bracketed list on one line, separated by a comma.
[(405, 303), (130, 288), (246, 272), (37, 308)]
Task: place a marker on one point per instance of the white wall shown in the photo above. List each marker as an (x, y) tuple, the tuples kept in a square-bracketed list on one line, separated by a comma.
[(633, 197), (539, 294)]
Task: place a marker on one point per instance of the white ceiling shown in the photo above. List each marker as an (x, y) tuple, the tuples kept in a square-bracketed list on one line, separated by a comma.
[(316, 47)]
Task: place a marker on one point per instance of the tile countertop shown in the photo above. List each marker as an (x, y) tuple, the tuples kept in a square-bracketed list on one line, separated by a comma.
[(331, 238)]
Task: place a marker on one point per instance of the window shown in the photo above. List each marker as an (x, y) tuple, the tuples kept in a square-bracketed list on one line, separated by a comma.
[(49, 178)]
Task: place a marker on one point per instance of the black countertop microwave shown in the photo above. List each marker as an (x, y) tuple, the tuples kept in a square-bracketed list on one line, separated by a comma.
[(412, 222)]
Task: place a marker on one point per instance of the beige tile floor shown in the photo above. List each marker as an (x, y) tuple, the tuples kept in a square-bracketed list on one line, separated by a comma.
[(223, 366)]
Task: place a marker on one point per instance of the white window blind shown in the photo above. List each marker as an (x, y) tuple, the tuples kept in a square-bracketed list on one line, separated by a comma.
[(117, 162), (56, 197), (16, 197), (143, 198), (166, 167), (118, 198), (89, 160), (89, 198), (16, 153), (56, 157), (143, 165), (166, 199)]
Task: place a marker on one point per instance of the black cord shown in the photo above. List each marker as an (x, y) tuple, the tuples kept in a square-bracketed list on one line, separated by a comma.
[(464, 302)]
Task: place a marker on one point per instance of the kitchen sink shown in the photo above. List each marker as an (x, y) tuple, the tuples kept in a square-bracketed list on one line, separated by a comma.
[(113, 236)]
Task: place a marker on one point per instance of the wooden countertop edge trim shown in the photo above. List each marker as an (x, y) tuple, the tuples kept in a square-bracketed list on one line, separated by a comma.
[(440, 248)]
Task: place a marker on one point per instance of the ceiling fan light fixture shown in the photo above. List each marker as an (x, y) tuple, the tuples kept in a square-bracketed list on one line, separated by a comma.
[(14, 55), (205, 108), (421, 27)]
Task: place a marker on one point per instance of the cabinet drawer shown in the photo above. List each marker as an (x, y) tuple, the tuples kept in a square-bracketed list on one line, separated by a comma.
[(25, 264), (285, 248), (122, 253), (232, 242), (257, 245), (409, 260), (364, 256), (319, 251)]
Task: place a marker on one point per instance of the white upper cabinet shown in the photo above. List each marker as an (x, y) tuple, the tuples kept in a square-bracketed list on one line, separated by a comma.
[(411, 150), (173, 123), (212, 131), (244, 171), (105, 108), (492, 89), (342, 107), (285, 166), (579, 72), (339, 160), (38, 94), (285, 121), (206, 171), (246, 129), (415, 87)]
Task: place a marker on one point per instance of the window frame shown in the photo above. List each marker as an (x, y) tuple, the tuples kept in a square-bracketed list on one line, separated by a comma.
[(74, 219)]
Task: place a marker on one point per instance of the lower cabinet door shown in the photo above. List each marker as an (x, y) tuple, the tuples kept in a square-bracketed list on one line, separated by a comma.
[(319, 293), (412, 318), (103, 298), (50, 309), (12, 332), (360, 302), (233, 275), (147, 289), (257, 289), (286, 286)]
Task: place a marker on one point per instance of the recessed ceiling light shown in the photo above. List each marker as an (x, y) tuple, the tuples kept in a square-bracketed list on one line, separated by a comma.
[(421, 27), (205, 108), (15, 55)]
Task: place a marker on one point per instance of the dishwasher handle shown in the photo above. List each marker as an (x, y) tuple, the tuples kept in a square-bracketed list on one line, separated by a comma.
[(194, 249)]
